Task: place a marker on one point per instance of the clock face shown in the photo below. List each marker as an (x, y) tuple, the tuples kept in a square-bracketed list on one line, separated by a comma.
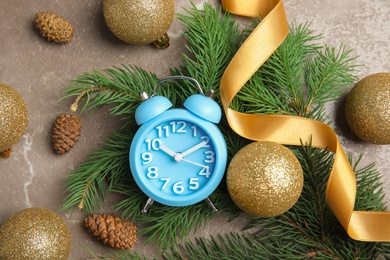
[(178, 159)]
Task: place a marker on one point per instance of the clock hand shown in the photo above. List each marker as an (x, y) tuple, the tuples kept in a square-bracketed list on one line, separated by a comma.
[(177, 156), (194, 163), (180, 156), (167, 150), (193, 149)]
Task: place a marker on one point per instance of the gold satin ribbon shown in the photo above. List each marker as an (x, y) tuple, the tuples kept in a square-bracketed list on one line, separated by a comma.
[(290, 130)]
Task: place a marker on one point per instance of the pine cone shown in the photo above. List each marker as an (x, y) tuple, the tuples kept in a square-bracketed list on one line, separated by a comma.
[(66, 130), (53, 27), (5, 154), (112, 230)]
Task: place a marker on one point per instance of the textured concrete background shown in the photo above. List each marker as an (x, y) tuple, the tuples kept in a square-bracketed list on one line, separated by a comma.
[(39, 70)]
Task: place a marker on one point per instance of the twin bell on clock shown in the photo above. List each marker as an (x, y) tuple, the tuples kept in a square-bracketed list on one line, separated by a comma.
[(178, 155)]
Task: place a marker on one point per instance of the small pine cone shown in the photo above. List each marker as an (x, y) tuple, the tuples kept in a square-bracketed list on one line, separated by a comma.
[(112, 230), (53, 27), (66, 130), (5, 154)]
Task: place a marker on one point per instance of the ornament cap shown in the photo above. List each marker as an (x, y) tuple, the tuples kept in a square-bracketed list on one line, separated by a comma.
[(151, 108), (204, 107)]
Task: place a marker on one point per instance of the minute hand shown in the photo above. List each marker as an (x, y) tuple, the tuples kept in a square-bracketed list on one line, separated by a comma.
[(194, 163), (193, 149)]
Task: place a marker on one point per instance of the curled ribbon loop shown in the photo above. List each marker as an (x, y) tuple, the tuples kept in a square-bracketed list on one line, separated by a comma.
[(291, 130)]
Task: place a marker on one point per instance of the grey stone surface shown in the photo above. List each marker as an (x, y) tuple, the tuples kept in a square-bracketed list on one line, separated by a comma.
[(40, 70)]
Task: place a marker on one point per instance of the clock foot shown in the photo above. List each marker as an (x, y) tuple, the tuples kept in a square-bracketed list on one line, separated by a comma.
[(147, 205), (210, 203)]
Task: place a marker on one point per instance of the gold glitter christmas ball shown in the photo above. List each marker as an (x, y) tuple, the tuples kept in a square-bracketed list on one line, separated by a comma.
[(138, 21), (265, 179), (367, 108), (13, 117), (34, 233)]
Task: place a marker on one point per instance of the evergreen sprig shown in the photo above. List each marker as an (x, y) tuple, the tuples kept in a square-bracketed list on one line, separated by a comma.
[(166, 226), (87, 184), (213, 40), (119, 86), (298, 79)]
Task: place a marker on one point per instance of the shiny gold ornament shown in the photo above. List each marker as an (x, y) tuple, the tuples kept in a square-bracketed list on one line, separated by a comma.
[(138, 21), (367, 108), (13, 118), (265, 179), (34, 233)]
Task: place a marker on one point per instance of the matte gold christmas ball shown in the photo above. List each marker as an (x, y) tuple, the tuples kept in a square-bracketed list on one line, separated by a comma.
[(138, 21), (34, 233), (13, 117), (367, 108), (265, 179)]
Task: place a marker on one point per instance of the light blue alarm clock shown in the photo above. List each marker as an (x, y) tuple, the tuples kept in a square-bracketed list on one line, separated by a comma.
[(178, 156)]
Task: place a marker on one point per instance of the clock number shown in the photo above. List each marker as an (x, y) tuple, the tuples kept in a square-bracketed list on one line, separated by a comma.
[(194, 184), (178, 127), (147, 158), (173, 127), (152, 172), (166, 182), (205, 172), (210, 157), (153, 144), (182, 128), (161, 130), (194, 130), (178, 187), (206, 139)]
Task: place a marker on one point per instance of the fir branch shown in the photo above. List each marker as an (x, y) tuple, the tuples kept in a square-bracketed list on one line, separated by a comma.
[(116, 255), (229, 247), (383, 250), (133, 199), (120, 86), (297, 76), (87, 185), (177, 227), (277, 87), (213, 38), (328, 74), (369, 192), (169, 231), (166, 226)]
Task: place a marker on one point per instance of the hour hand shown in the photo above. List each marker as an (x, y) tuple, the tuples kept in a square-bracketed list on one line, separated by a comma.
[(177, 156), (167, 150)]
